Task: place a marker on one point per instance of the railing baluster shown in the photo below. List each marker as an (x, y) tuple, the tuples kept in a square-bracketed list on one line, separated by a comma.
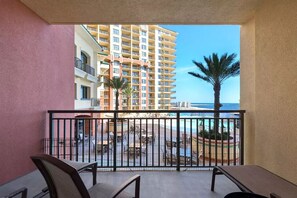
[(197, 148), (115, 117), (241, 133), (95, 139), (90, 135), (159, 142), (234, 142), (64, 138), (70, 136), (76, 140), (153, 143), (83, 142), (203, 142), (58, 138), (178, 141), (228, 134), (222, 141), (51, 133)]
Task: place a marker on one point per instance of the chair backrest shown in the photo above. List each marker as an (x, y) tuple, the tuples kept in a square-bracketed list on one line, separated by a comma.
[(243, 195), (62, 179)]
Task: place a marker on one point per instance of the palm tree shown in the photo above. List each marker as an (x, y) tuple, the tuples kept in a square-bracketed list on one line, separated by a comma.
[(215, 72), (128, 92), (117, 83)]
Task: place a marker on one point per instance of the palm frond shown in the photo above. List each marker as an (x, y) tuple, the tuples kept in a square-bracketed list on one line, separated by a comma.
[(205, 78)]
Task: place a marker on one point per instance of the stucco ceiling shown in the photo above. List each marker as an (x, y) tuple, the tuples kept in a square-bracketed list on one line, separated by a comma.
[(145, 11)]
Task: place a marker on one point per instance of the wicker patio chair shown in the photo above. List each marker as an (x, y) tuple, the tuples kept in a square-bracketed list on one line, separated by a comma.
[(64, 181)]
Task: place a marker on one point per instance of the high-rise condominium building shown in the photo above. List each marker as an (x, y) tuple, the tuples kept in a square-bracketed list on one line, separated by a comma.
[(142, 54)]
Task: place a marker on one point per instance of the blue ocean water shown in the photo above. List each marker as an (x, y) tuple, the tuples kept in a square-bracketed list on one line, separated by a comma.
[(226, 106)]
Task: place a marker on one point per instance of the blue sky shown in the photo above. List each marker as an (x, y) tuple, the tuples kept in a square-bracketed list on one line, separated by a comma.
[(194, 42)]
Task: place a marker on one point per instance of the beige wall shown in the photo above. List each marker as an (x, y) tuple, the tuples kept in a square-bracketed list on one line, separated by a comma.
[(247, 86), (269, 87)]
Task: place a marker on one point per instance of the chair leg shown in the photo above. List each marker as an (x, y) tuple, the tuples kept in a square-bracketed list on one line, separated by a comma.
[(214, 173), (94, 172)]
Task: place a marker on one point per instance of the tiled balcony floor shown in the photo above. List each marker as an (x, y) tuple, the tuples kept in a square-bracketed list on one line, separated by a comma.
[(154, 184)]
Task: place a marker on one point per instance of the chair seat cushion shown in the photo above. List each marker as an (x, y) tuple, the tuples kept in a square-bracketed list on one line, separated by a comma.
[(101, 190)]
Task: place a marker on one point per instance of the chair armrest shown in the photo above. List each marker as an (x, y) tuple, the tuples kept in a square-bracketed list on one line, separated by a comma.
[(23, 191), (136, 179), (273, 195)]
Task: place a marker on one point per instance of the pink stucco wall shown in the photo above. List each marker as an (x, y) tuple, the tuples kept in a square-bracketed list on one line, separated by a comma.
[(36, 74)]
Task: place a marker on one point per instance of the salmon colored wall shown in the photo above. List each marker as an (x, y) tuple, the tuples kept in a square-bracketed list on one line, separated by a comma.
[(36, 75)]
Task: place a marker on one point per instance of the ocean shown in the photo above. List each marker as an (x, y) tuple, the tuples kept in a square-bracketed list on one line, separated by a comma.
[(226, 106)]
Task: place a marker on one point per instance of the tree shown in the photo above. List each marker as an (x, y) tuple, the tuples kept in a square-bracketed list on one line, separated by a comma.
[(215, 72), (128, 92), (118, 84)]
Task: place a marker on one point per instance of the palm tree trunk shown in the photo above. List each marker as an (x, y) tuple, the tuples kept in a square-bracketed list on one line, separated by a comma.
[(217, 105), (117, 100), (128, 103)]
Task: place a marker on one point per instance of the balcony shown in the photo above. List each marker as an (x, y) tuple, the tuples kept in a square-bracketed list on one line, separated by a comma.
[(172, 140), (84, 67), (95, 102)]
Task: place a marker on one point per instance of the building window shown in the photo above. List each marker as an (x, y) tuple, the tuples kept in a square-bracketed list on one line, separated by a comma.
[(143, 33), (116, 39), (85, 92), (116, 55), (143, 74), (75, 91), (143, 47), (116, 71), (144, 95), (143, 53), (116, 63), (143, 88), (116, 47), (143, 101), (143, 68), (84, 58), (116, 31), (143, 81), (143, 40)]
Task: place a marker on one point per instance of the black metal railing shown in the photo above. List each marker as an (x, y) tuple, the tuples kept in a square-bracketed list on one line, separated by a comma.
[(147, 139), (85, 67)]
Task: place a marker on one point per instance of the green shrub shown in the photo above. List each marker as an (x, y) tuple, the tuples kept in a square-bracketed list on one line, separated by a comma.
[(212, 135)]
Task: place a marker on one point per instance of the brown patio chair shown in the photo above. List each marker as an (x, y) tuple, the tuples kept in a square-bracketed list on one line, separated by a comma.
[(64, 181)]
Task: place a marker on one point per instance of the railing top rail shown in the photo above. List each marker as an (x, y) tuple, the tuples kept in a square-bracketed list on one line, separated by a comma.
[(145, 111)]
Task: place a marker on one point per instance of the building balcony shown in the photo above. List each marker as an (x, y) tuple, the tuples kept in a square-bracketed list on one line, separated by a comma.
[(84, 67), (92, 29), (103, 40), (87, 103), (104, 27), (126, 29), (126, 37), (126, 52)]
